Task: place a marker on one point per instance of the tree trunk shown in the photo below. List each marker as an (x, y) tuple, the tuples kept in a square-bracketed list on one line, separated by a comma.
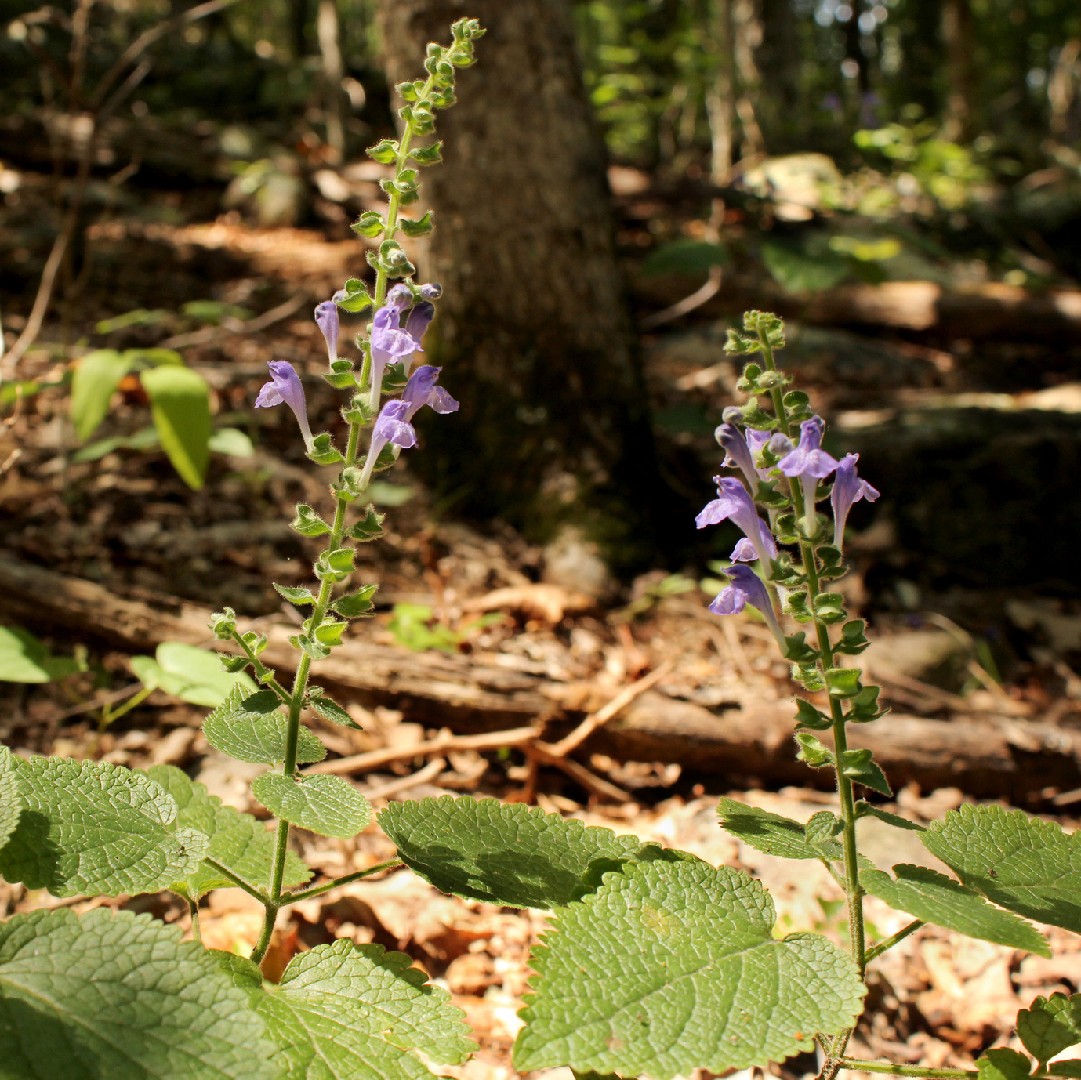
[(957, 34), (533, 327)]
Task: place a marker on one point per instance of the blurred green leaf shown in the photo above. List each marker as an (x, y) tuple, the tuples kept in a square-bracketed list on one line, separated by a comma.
[(180, 404), (97, 375)]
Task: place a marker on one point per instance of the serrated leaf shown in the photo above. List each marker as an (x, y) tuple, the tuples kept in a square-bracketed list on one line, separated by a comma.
[(506, 854), (180, 406), (1050, 1025), (194, 675), (327, 805), (935, 898), (1003, 1064), (252, 727), (237, 840), (1025, 865), (327, 709), (349, 1012), (772, 833), (110, 994), (90, 827), (669, 967), (10, 806), (96, 377)]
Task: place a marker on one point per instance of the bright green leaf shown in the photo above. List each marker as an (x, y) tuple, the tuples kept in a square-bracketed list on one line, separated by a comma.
[(252, 727), (1003, 1064), (327, 805), (326, 709), (515, 855), (295, 594), (89, 827), (25, 659), (858, 765), (232, 442), (349, 1012), (237, 840), (772, 833), (673, 966), (10, 806), (1023, 864), (180, 406), (96, 377), (1050, 1025), (194, 675), (935, 898), (108, 994)]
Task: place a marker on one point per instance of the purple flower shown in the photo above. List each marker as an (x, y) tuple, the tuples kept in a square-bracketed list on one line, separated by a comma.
[(734, 503), (326, 318), (848, 488), (419, 320), (400, 297), (422, 390), (779, 444), (810, 463), (391, 426), (285, 387), (737, 453), (389, 342), (431, 291), (747, 588)]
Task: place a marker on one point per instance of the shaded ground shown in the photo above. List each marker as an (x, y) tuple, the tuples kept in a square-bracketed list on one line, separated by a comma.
[(128, 522)]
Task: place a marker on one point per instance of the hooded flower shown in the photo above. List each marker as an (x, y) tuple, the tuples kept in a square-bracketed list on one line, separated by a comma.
[(391, 426), (735, 504), (422, 390), (737, 453), (389, 341), (285, 387), (747, 588), (810, 463), (326, 318), (848, 488)]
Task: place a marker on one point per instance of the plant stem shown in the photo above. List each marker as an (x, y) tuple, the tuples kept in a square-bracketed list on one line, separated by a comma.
[(237, 880), (345, 879), (907, 1070), (888, 943)]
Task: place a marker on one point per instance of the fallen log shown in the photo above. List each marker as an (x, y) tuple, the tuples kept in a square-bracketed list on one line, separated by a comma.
[(744, 741)]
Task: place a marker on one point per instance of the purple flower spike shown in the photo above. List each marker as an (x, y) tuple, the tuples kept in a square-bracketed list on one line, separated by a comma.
[(391, 426), (735, 504), (848, 488), (326, 318), (389, 343), (422, 390), (747, 588), (810, 463), (285, 388)]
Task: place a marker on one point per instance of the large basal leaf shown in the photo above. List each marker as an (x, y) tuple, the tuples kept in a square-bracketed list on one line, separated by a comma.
[(773, 834), (1026, 865), (180, 405), (9, 795), (327, 805), (252, 727), (96, 377), (1050, 1025), (89, 827), (673, 966), (237, 840), (514, 855), (349, 1012), (120, 995), (935, 898)]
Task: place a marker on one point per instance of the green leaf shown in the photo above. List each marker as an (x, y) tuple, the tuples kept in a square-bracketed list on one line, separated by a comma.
[(1050, 1025), (10, 806), (866, 809), (25, 659), (89, 827), (194, 675), (180, 406), (1023, 864), (96, 377), (308, 523), (326, 709), (237, 840), (295, 594), (327, 805), (685, 257), (232, 442), (813, 751), (357, 603), (419, 227), (858, 765), (109, 994), (349, 1012), (935, 898), (772, 833), (252, 727), (799, 266), (673, 966), (1070, 1067), (514, 855), (1003, 1064)]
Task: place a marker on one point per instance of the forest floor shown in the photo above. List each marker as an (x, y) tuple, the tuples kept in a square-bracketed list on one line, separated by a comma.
[(125, 521)]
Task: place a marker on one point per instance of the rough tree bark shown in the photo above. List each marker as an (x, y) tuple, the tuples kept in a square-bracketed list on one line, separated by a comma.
[(534, 328)]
